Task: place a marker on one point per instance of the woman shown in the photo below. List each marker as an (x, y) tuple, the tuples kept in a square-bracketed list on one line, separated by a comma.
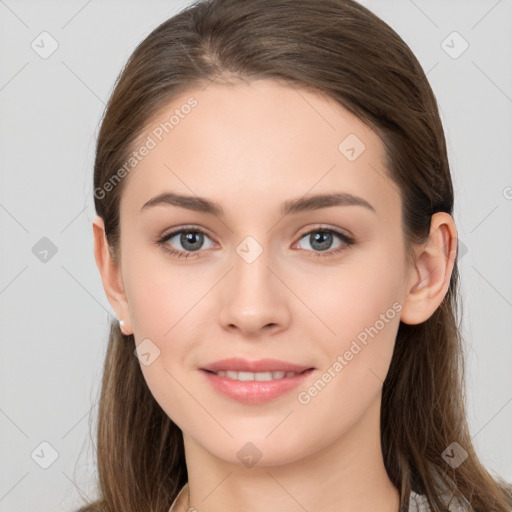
[(275, 234)]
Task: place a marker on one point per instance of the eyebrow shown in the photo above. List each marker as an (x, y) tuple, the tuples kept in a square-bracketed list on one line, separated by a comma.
[(309, 203)]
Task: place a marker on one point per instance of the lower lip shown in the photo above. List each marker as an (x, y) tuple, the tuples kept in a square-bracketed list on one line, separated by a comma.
[(255, 392)]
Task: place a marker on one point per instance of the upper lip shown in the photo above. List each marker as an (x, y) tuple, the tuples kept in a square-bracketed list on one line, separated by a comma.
[(260, 365)]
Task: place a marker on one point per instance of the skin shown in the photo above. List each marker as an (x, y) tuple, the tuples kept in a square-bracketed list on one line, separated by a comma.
[(250, 147)]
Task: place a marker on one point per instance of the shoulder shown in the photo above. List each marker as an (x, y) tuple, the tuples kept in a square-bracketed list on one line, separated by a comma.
[(179, 501), (419, 503)]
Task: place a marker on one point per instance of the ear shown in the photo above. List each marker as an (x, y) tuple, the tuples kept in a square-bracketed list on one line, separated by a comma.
[(429, 280), (111, 275)]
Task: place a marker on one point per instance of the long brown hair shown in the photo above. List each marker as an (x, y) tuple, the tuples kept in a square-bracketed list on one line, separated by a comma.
[(339, 49)]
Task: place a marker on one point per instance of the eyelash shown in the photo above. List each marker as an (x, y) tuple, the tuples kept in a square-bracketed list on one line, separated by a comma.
[(348, 241)]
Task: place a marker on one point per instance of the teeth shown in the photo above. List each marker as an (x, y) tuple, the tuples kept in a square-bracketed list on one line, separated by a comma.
[(260, 376)]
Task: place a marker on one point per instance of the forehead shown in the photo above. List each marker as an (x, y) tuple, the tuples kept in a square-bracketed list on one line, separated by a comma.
[(254, 141)]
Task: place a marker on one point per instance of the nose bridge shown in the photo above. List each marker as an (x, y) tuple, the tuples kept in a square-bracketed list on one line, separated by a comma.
[(254, 299), (251, 265)]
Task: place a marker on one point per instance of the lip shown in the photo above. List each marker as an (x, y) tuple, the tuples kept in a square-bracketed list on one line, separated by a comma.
[(262, 365), (255, 392)]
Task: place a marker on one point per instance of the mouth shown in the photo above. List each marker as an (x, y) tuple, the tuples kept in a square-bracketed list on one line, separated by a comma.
[(256, 376), (260, 366), (255, 382)]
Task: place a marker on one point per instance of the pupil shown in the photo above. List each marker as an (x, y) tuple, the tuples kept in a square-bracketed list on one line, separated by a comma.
[(323, 238), (189, 238)]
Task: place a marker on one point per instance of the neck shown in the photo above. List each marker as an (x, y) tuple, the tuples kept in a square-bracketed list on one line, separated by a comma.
[(347, 474)]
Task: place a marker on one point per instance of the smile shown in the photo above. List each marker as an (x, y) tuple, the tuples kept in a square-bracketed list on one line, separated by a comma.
[(255, 387), (259, 376)]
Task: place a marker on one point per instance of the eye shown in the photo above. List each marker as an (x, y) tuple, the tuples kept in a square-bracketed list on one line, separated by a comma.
[(321, 240), (191, 239)]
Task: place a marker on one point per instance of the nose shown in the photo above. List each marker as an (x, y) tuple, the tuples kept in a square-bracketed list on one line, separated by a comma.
[(254, 300)]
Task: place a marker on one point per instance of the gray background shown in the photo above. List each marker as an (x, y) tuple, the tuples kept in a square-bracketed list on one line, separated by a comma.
[(54, 313)]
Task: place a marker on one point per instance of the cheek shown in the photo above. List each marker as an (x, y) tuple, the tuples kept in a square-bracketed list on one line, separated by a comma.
[(160, 293), (357, 310), (356, 359), (165, 303), (352, 296)]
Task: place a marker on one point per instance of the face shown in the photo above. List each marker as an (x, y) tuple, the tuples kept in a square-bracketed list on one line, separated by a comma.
[(317, 284)]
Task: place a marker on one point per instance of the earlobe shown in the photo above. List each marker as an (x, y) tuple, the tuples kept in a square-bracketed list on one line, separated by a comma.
[(110, 272), (429, 279)]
